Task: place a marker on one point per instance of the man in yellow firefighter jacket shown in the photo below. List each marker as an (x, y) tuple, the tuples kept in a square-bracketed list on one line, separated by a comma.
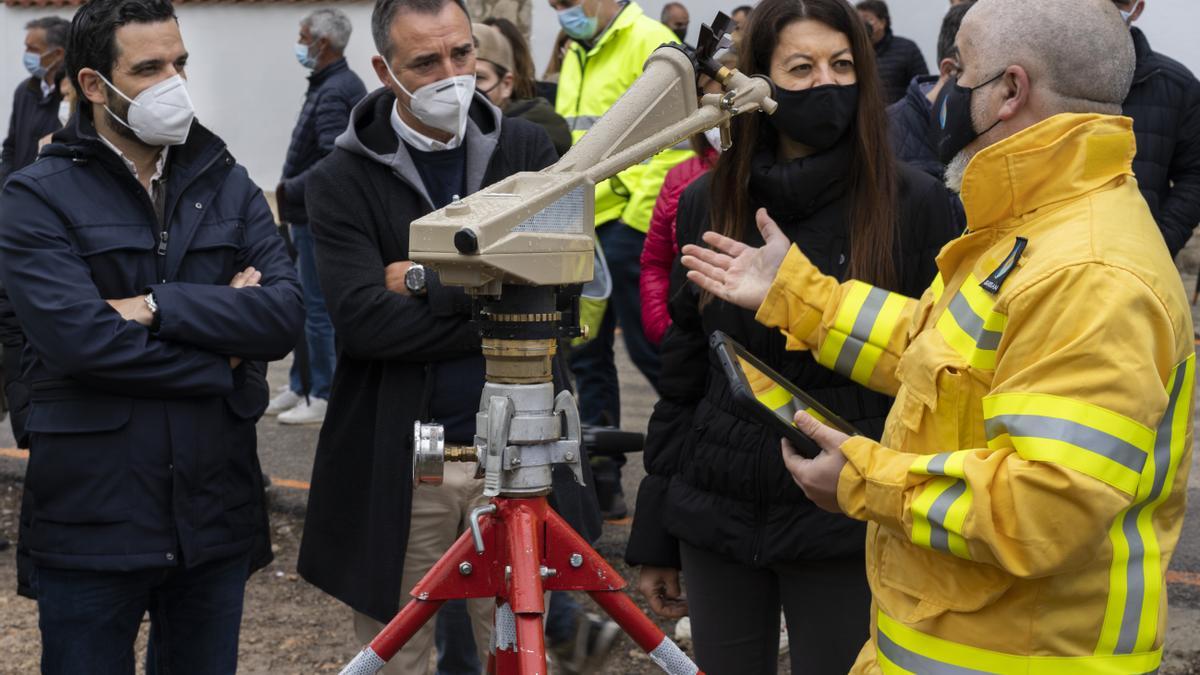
[(1028, 491)]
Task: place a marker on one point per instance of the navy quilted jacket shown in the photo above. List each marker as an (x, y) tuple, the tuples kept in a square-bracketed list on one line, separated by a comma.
[(908, 131), (332, 93), (900, 60), (1165, 106), (908, 127)]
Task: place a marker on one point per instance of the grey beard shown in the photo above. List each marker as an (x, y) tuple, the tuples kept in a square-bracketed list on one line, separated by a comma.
[(956, 169)]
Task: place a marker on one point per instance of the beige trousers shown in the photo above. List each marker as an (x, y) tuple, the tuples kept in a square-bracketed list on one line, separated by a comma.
[(439, 514)]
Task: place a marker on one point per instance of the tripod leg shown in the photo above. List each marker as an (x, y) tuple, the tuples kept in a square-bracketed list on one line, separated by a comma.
[(584, 569), (662, 650), (522, 614), (393, 636)]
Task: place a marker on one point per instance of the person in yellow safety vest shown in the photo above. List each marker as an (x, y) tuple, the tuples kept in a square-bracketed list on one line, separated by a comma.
[(611, 41), (1029, 488)]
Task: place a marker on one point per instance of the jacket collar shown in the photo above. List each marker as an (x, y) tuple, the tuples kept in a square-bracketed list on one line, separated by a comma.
[(317, 77), (1057, 160), (1141, 48), (798, 188), (916, 96), (34, 84), (79, 141), (370, 135), (625, 18), (203, 151), (886, 42)]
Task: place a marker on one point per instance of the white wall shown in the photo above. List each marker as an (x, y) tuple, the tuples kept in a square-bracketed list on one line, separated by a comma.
[(242, 74), (247, 85)]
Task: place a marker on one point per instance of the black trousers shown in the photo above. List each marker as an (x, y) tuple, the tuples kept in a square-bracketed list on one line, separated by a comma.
[(735, 613)]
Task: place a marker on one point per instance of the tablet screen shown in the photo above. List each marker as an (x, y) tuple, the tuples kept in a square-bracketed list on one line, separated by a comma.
[(774, 396)]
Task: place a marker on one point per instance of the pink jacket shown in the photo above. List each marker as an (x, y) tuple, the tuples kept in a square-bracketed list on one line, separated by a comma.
[(661, 246)]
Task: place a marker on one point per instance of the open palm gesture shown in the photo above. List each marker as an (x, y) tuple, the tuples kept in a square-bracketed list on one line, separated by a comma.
[(735, 272)]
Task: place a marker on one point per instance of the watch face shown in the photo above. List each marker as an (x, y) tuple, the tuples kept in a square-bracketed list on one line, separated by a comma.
[(414, 279)]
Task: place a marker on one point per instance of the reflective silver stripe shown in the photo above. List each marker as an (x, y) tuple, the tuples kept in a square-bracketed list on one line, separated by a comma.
[(365, 662), (1135, 588), (939, 538), (668, 656), (937, 465), (1056, 429), (860, 332), (917, 663), (506, 628), (972, 323), (582, 122), (789, 410)]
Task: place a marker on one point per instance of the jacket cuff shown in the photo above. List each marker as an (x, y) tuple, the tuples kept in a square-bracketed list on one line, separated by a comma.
[(649, 541), (789, 303), (164, 295), (871, 485)]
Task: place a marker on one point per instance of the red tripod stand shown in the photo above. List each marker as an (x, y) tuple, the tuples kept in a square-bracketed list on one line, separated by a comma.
[(521, 549)]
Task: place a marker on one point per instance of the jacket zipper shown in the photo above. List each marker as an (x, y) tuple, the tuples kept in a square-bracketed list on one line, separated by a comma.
[(163, 234)]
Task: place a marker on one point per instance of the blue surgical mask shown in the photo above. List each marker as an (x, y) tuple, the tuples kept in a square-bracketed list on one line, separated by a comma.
[(577, 24), (1126, 16), (33, 63), (304, 56)]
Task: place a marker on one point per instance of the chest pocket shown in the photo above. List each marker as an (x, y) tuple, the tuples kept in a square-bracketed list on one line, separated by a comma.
[(946, 371), (213, 255), (121, 257)]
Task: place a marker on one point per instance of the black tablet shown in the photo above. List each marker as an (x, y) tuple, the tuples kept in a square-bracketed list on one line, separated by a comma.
[(771, 398)]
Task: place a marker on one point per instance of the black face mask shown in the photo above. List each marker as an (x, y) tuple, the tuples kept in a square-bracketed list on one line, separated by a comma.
[(816, 117), (952, 129), (681, 33)]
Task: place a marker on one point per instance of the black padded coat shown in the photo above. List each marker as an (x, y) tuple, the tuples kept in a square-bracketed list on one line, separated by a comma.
[(715, 476)]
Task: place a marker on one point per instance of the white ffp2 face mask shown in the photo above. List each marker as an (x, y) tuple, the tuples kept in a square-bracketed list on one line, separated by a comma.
[(443, 105), (161, 115), (713, 136)]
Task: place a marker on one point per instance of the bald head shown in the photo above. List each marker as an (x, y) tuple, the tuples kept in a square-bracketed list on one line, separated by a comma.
[(1078, 53)]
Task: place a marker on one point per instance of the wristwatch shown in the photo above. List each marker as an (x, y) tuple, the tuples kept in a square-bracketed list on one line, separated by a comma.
[(414, 279), (153, 305)]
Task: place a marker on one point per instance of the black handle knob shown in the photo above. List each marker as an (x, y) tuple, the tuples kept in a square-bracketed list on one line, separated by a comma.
[(466, 242)]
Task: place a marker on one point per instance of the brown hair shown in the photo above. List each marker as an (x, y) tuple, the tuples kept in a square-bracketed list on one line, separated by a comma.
[(872, 170), (524, 84), (556, 57)]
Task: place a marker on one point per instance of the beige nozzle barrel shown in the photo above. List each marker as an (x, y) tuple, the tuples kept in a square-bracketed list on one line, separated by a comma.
[(518, 361)]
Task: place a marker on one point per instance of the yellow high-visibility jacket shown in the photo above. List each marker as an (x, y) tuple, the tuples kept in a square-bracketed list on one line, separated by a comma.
[(589, 84), (1029, 487)]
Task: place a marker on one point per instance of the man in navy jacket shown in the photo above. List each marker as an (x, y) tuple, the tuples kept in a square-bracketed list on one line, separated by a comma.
[(333, 90), (1164, 103), (145, 270)]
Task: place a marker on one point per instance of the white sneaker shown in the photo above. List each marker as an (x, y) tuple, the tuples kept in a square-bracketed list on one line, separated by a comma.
[(783, 635), (311, 411), (683, 630), (286, 400)]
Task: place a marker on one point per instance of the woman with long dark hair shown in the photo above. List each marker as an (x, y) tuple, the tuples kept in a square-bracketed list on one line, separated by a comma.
[(718, 502)]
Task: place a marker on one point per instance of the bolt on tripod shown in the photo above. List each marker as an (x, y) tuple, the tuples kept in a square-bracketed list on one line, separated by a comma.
[(517, 547)]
